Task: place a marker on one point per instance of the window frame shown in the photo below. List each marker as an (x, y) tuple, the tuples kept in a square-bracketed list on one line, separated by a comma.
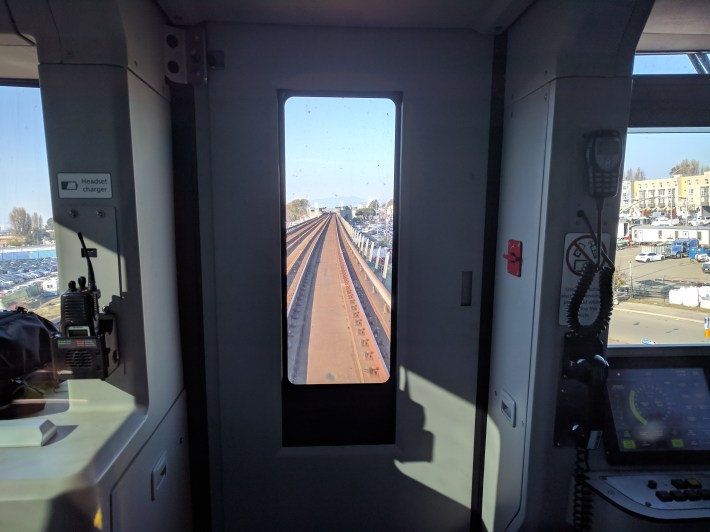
[(34, 84), (339, 414), (666, 101)]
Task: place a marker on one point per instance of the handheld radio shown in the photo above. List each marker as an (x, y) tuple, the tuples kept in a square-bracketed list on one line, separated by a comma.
[(86, 348), (80, 304)]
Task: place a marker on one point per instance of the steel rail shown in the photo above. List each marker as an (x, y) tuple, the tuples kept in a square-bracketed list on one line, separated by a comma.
[(301, 264), (361, 329), (293, 241), (378, 286), (294, 258), (296, 228)]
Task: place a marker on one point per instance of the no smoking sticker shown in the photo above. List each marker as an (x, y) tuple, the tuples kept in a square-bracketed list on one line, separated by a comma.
[(580, 248)]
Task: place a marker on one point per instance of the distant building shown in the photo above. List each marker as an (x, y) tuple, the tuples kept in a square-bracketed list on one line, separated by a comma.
[(627, 195), (686, 194), (658, 194)]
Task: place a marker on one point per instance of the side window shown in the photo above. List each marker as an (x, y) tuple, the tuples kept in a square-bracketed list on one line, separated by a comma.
[(339, 205), (689, 63), (28, 259), (664, 300)]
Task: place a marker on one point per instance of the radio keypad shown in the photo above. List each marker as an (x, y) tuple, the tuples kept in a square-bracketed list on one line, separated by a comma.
[(687, 489)]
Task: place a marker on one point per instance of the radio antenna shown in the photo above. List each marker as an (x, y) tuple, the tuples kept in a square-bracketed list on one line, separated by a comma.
[(92, 278)]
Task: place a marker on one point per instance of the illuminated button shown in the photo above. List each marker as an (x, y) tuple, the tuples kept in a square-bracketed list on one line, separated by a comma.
[(694, 483), (664, 496), (652, 484), (679, 483), (679, 495)]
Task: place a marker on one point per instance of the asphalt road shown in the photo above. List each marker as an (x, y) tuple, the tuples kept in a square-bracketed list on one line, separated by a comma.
[(633, 322)]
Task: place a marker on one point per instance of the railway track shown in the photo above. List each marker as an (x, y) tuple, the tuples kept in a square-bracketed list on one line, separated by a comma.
[(299, 248), (372, 290), (338, 327), (297, 234)]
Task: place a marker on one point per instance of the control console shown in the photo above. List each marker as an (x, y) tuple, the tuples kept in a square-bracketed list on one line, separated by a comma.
[(657, 434), (667, 495)]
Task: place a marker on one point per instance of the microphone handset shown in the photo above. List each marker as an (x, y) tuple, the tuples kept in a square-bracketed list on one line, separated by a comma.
[(585, 352)]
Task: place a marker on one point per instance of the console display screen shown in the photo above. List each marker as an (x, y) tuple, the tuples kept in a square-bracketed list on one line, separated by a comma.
[(660, 409)]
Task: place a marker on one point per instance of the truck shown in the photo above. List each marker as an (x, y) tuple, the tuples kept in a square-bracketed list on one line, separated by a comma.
[(663, 250), (684, 247)]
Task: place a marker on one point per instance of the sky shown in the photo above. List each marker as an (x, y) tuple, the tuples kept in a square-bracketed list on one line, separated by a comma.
[(656, 153), (663, 64), (339, 149), (24, 178)]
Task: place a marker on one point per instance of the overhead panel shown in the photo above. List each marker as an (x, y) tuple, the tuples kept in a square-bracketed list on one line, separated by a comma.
[(18, 55), (484, 16), (677, 26)]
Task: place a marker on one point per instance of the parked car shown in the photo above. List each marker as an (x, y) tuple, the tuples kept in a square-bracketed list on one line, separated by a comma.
[(702, 257), (662, 220), (700, 220), (706, 267), (648, 257)]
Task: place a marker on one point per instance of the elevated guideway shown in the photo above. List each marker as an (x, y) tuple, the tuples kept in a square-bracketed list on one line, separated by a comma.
[(338, 310)]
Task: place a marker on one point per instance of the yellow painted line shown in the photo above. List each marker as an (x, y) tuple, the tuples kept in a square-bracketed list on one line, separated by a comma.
[(658, 315)]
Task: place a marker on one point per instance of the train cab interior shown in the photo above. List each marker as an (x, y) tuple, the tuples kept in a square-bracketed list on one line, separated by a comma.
[(241, 335)]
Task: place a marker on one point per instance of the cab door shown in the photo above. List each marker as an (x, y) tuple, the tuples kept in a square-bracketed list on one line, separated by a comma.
[(421, 478)]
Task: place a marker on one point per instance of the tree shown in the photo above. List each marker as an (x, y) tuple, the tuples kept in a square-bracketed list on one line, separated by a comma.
[(50, 224), (365, 213), (20, 221), (374, 205), (634, 175), (37, 222), (347, 213), (29, 227), (619, 279), (296, 209), (686, 167)]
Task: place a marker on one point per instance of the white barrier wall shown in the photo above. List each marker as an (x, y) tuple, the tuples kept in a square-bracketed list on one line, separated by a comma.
[(690, 296)]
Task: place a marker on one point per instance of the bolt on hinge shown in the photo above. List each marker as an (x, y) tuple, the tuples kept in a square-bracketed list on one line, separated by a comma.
[(185, 55)]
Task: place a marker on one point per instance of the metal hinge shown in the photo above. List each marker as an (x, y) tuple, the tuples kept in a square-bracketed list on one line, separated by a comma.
[(185, 55)]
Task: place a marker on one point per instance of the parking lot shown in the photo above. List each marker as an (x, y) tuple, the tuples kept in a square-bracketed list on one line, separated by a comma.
[(30, 283), (685, 269), (14, 273)]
